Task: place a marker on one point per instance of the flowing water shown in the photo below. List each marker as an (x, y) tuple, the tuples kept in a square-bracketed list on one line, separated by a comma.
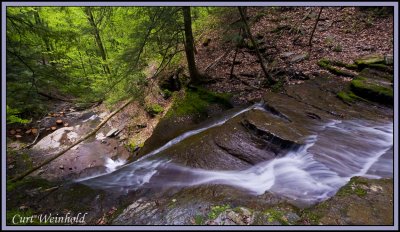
[(337, 151)]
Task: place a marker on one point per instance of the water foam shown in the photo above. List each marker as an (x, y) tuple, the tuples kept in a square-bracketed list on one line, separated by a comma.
[(313, 172)]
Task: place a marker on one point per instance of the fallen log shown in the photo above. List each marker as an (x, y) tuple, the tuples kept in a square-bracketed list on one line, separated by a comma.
[(20, 177)]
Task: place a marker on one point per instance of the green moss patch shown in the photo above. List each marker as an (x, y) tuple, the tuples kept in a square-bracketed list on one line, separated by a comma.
[(344, 65), (310, 217), (349, 97), (370, 59), (196, 101), (276, 215), (327, 64), (154, 109), (199, 219), (217, 210), (372, 90), (355, 186)]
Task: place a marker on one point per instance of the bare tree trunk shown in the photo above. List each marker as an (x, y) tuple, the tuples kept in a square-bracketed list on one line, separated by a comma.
[(312, 33), (97, 37), (93, 132), (189, 45), (247, 28)]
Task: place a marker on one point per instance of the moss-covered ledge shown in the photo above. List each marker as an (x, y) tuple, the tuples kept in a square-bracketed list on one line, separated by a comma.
[(195, 101), (330, 66), (373, 90)]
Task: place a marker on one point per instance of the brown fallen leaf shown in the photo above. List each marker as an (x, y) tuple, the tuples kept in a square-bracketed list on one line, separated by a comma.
[(59, 121), (53, 128), (34, 131), (12, 132)]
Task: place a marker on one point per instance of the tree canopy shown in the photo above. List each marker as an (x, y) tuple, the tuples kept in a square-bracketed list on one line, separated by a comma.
[(89, 54)]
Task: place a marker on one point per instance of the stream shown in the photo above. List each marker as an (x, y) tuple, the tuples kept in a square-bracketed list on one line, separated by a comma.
[(335, 151)]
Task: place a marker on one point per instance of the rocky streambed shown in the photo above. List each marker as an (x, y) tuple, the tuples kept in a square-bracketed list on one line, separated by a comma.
[(292, 158)]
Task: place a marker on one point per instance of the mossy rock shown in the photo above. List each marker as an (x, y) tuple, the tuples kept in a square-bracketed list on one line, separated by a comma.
[(355, 186), (166, 93), (381, 67), (370, 59), (372, 73), (348, 97), (376, 61), (373, 90), (196, 102), (361, 201), (344, 65), (154, 109), (329, 65)]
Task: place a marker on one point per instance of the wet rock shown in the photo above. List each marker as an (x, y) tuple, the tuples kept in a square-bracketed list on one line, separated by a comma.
[(190, 110), (53, 140), (319, 96), (374, 87)]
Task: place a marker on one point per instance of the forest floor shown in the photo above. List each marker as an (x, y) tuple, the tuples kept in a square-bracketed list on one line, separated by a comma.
[(342, 33)]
